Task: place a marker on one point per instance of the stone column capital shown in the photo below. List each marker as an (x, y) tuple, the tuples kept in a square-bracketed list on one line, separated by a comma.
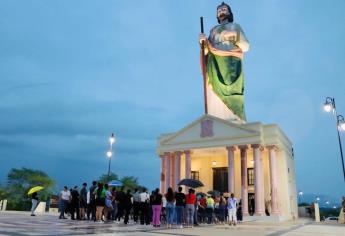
[(178, 153), (231, 148), (167, 154), (272, 147), (259, 146), (187, 152), (243, 147)]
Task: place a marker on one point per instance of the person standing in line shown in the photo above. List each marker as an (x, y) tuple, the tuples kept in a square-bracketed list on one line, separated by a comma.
[(180, 205), (190, 207), (156, 203), (144, 205), (163, 210), (114, 204), (209, 209), (93, 200), (196, 211), (232, 206), (120, 197), (222, 205), (83, 201), (216, 209), (75, 203), (202, 208), (88, 211), (65, 197), (108, 208), (127, 205), (136, 205), (239, 213), (100, 201), (170, 207), (34, 201)]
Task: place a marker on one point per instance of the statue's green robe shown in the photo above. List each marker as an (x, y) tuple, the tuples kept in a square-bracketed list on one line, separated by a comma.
[(224, 72)]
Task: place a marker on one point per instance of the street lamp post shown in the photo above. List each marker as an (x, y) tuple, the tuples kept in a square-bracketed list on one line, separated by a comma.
[(340, 122), (110, 151)]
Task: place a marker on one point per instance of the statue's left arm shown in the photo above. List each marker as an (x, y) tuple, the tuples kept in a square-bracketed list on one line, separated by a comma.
[(242, 41)]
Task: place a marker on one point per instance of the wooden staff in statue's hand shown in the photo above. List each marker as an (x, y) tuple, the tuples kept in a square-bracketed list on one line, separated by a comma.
[(203, 43)]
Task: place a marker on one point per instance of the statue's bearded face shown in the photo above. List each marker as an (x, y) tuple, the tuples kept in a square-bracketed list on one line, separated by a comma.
[(222, 12)]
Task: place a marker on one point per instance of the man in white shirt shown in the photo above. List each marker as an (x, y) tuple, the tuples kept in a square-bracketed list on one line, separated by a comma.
[(136, 205), (65, 197), (144, 207), (232, 207)]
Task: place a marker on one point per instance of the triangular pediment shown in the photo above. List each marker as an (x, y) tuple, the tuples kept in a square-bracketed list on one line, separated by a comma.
[(208, 128)]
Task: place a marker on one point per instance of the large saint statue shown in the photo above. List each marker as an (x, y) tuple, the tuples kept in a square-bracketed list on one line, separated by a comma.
[(223, 54)]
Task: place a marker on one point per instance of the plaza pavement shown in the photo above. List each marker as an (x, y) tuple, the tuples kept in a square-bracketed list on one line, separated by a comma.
[(21, 223)]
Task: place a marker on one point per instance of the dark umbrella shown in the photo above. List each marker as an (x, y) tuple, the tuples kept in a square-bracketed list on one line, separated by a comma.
[(192, 183)]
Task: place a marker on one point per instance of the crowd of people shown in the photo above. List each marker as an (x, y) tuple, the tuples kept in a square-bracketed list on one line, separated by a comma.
[(103, 203)]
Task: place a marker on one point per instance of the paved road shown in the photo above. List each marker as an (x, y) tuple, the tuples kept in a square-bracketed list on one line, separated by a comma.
[(20, 223)]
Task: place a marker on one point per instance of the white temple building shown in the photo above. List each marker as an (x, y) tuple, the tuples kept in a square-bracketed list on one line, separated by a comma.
[(252, 160)]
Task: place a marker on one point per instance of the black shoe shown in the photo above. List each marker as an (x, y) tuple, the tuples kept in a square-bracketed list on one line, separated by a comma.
[(33, 215)]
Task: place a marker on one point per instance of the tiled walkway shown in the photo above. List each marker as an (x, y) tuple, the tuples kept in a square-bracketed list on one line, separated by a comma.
[(21, 223)]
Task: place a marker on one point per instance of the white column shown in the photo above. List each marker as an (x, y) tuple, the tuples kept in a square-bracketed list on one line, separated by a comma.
[(163, 166), (244, 176), (172, 171), (177, 168), (167, 171), (258, 181), (231, 169), (274, 180), (188, 164)]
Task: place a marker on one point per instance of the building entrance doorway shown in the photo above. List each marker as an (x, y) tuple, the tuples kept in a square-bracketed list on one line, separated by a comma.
[(251, 203), (220, 179)]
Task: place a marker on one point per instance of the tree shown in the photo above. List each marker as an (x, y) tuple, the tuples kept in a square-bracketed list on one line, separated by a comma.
[(104, 178), (19, 183), (129, 182)]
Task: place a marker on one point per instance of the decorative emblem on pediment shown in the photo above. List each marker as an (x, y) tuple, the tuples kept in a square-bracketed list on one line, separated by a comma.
[(206, 128)]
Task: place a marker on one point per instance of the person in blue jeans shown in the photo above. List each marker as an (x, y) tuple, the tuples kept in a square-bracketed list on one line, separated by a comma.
[(180, 198), (170, 207), (65, 197)]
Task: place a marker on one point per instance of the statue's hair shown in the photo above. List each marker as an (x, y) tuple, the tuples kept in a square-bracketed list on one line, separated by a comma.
[(230, 17)]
